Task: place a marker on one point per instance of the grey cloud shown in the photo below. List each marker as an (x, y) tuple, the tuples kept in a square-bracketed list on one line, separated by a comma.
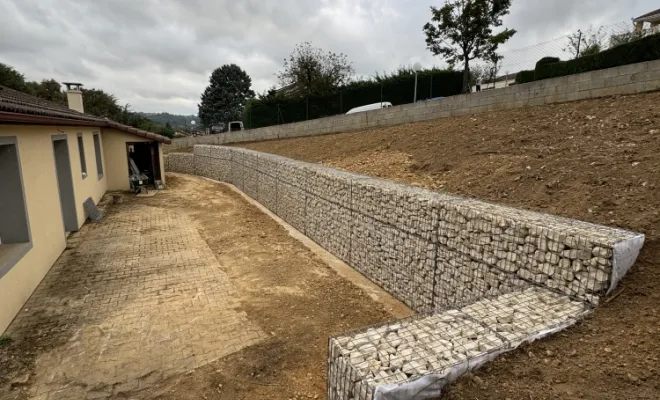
[(157, 55)]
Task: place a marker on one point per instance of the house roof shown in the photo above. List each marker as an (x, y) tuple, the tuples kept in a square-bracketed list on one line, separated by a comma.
[(19, 107), (650, 14)]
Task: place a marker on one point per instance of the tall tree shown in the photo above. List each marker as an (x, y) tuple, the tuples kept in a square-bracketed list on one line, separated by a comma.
[(462, 30), (226, 95), (102, 104), (311, 70), (11, 78)]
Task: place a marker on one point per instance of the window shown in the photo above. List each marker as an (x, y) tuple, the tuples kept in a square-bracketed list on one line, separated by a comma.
[(99, 159), (81, 150), (14, 227)]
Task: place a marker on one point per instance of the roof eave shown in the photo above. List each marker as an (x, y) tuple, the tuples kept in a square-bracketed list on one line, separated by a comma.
[(20, 118)]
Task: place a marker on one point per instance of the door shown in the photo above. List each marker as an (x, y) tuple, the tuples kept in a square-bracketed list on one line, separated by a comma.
[(65, 183)]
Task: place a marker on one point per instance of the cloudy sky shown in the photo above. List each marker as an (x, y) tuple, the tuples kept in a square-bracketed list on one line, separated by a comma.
[(157, 54)]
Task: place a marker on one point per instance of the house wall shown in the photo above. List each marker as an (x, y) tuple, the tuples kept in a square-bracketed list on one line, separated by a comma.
[(37, 164), (91, 186), (114, 149), (627, 79)]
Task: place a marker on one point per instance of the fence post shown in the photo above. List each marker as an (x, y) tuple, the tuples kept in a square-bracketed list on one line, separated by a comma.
[(577, 55), (431, 88), (278, 114), (381, 94), (341, 106), (307, 108)]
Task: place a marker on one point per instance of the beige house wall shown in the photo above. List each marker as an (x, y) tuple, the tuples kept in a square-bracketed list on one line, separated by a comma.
[(91, 186), (114, 149), (45, 217)]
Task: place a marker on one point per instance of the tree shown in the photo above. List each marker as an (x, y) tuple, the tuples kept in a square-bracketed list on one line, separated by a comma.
[(310, 70), (48, 89), (101, 104), (226, 96), (587, 43), (463, 31), (11, 78)]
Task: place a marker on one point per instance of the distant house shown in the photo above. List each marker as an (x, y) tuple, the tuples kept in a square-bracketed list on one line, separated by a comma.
[(648, 22), (53, 159)]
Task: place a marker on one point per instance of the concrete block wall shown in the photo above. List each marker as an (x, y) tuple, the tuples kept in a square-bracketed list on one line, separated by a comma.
[(430, 250), (627, 79)]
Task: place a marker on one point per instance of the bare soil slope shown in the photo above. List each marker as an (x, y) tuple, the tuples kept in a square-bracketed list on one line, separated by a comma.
[(595, 160)]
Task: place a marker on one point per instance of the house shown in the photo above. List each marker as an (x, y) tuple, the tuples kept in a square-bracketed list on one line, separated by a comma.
[(52, 159), (652, 19)]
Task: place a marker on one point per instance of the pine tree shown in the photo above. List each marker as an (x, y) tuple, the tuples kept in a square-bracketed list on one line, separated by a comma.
[(226, 96)]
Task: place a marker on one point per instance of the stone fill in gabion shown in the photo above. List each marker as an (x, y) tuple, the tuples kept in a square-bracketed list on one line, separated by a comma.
[(429, 249), (444, 344)]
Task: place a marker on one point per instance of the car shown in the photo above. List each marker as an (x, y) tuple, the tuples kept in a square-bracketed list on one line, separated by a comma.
[(370, 107)]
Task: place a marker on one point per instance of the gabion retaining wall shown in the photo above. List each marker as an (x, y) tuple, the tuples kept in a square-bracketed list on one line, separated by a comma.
[(416, 357), (428, 249), (484, 277)]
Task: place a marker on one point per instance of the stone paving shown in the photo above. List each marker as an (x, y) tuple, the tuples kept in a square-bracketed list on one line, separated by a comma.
[(136, 298)]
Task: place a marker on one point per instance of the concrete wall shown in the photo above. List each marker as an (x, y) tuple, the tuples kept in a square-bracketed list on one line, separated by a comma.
[(429, 249), (628, 79), (41, 194), (116, 158)]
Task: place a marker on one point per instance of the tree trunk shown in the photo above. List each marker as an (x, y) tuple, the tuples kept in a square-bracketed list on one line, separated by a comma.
[(466, 77)]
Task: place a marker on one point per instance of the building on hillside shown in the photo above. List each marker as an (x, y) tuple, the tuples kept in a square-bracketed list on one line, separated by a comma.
[(648, 23), (53, 159)]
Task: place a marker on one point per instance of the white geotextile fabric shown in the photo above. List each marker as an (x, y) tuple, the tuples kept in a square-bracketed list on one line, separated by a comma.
[(431, 386), (624, 255)]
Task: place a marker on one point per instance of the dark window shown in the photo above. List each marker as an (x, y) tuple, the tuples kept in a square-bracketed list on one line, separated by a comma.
[(81, 150), (99, 159), (14, 227)]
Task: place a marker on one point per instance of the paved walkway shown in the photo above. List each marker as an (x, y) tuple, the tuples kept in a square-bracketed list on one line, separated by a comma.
[(138, 297)]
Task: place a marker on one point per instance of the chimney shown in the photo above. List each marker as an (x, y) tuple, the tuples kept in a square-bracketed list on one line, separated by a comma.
[(74, 96)]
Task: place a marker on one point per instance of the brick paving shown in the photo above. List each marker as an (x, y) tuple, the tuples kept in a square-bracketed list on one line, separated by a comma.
[(136, 298)]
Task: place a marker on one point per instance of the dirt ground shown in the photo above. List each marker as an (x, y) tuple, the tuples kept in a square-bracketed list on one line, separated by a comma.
[(594, 160), (286, 290)]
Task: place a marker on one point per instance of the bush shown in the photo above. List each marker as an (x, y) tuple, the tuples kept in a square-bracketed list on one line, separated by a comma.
[(645, 49), (525, 76), (398, 89), (547, 60)]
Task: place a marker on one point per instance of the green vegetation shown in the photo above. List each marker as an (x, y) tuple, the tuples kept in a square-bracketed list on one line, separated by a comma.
[(226, 95), (398, 88), (462, 31), (644, 49), (5, 340), (96, 101), (310, 70), (525, 76)]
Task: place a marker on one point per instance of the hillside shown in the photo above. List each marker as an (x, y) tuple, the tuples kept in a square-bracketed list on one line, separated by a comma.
[(595, 160), (176, 120)]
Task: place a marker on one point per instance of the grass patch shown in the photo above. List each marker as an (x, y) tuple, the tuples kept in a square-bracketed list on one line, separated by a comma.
[(5, 340)]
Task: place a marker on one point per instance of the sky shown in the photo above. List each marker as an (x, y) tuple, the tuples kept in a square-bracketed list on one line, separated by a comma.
[(157, 55)]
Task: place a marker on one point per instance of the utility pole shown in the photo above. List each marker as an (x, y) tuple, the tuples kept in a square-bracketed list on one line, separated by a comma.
[(577, 55)]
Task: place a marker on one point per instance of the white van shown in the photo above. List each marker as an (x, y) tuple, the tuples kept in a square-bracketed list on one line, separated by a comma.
[(235, 126), (369, 107)]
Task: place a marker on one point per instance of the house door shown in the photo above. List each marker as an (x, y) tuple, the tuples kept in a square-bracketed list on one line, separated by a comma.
[(65, 183)]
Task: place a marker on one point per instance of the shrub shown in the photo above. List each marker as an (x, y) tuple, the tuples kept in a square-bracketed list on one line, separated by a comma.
[(525, 76), (547, 60), (645, 49)]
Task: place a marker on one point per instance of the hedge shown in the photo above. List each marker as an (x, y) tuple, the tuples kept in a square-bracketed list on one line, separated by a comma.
[(525, 76), (644, 49), (397, 90)]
